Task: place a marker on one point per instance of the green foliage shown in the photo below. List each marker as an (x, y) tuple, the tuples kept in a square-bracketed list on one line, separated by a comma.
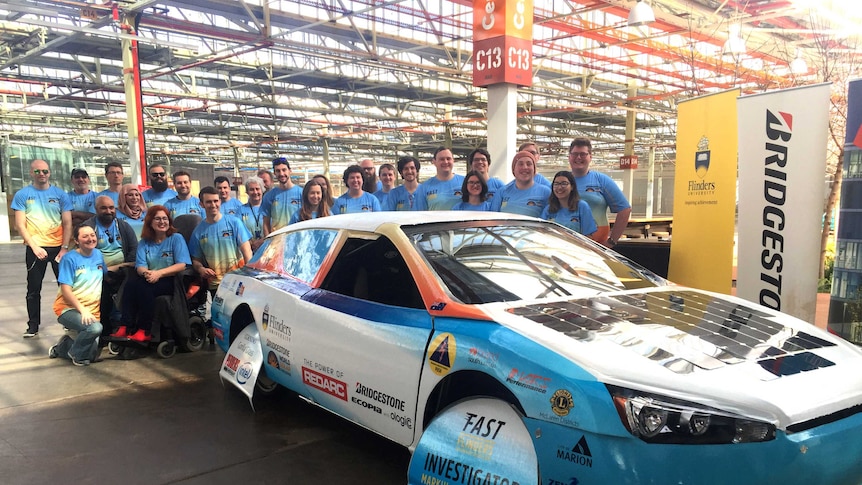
[(825, 284)]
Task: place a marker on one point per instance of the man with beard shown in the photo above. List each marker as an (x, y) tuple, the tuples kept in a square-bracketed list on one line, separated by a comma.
[(117, 242), (158, 193), (282, 201), (370, 183), (401, 197), (184, 202)]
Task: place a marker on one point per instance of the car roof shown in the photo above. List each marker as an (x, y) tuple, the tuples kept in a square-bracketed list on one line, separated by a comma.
[(371, 221)]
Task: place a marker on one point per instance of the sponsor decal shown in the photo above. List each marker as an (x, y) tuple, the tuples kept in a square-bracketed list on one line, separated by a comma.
[(482, 357), (701, 168), (244, 372), (366, 405), (273, 324), (378, 396), (477, 436), (322, 368), (323, 382), (442, 354), (482, 425), (231, 364), (454, 471), (240, 289), (533, 382), (562, 402), (578, 454), (779, 129), (570, 481)]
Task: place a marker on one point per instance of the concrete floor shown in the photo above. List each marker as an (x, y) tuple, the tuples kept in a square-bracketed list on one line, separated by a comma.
[(155, 421)]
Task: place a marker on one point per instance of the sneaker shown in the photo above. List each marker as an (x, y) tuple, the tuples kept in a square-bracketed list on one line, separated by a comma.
[(31, 334), (140, 336), (79, 363), (120, 333), (52, 352)]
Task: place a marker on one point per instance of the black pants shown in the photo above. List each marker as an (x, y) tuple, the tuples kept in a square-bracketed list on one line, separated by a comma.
[(139, 299), (35, 274), (110, 286)]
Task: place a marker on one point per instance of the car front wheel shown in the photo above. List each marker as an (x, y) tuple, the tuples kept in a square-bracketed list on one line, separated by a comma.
[(476, 440)]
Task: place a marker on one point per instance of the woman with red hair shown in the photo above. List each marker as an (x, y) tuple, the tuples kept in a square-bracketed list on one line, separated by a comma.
[(162, 254)]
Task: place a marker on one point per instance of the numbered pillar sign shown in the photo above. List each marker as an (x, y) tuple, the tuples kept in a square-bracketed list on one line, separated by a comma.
[(628, 162), (502, 42)]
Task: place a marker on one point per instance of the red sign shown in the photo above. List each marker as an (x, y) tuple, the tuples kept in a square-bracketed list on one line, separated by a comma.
[(502, 42), (327, 384), (495, 18), (503, 60), (628, 162)]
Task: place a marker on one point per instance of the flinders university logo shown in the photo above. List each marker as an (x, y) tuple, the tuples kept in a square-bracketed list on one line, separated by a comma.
[(701, 158), (701, 168)]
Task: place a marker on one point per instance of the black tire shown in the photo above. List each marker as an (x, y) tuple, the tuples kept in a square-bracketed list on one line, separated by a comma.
[(166, 349), (197, 334), (264, 386), (114, 348)]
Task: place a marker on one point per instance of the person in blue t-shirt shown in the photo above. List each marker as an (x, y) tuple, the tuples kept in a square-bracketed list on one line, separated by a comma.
[(282, 201), (523, 195), (401, 198), (230, 205), (220, 244), (114, 175), (184, 203), (386, 174), (600, 192), (530, 146), (131, 208), (250, 213), (479, 160), (83, 199), (475, 193), (443, 191), (162, 254), (566, 208), (355, 199), (158, 193), (313, 205)]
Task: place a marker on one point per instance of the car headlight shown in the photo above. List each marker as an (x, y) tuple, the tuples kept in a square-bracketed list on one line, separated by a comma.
[(661, 419)]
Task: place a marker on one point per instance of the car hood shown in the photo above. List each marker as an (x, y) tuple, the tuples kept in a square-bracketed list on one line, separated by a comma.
[(715, 349)]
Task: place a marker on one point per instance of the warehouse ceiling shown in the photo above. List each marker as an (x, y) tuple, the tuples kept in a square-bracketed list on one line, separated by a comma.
[(226, 80)]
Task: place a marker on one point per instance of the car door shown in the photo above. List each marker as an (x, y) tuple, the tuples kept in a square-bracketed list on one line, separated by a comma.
[(362, 350)]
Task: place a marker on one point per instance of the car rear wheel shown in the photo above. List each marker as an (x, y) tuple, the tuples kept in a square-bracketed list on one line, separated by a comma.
[(264, 385), (482, 439)]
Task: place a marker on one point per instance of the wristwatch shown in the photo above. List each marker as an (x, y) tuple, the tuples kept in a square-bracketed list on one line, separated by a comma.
[(66, 247)]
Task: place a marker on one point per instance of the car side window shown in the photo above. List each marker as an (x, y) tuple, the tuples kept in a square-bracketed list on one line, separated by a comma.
[(373, 270), (304, 252)]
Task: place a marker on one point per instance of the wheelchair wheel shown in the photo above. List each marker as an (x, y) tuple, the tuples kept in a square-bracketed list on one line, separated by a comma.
[(166, 349), (197, 334), (114, 348)]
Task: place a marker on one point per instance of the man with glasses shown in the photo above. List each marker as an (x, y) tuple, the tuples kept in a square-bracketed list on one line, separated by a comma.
[(43, 218), (281, 202), (184, 203), (83, 199), (117, 242), (114, 175), (370, 183), (600, 192), (158, 193)]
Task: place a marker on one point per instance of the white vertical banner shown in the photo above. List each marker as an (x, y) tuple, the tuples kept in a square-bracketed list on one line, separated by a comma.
[(782, 162)]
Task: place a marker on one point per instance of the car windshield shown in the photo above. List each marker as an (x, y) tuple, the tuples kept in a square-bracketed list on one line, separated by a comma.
[(482, 262)]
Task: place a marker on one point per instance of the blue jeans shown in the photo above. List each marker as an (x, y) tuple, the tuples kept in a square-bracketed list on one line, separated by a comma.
[(86, 345)]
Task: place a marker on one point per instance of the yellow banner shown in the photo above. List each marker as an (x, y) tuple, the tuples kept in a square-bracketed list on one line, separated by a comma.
[(704, 197)]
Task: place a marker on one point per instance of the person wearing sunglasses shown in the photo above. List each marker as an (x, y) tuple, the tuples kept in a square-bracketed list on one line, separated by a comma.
[(600, 192), (43, 218), (83, 199), (158, 193), (117, 242)]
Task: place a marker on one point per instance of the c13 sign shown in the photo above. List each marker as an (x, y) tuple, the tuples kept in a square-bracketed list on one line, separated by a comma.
[(502, 42)]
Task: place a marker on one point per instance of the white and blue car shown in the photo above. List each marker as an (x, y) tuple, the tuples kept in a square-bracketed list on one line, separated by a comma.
[(506, 350)]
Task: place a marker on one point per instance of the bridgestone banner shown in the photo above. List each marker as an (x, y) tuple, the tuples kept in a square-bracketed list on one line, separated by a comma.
[(782, 162)]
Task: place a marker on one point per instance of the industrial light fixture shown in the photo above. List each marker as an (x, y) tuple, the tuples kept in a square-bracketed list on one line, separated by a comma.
[(735, 45), (641, 14), (798, 65)]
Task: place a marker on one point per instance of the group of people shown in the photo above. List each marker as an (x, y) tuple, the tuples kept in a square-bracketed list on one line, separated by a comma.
[(578, 198), (116, 229), (89, 237)]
